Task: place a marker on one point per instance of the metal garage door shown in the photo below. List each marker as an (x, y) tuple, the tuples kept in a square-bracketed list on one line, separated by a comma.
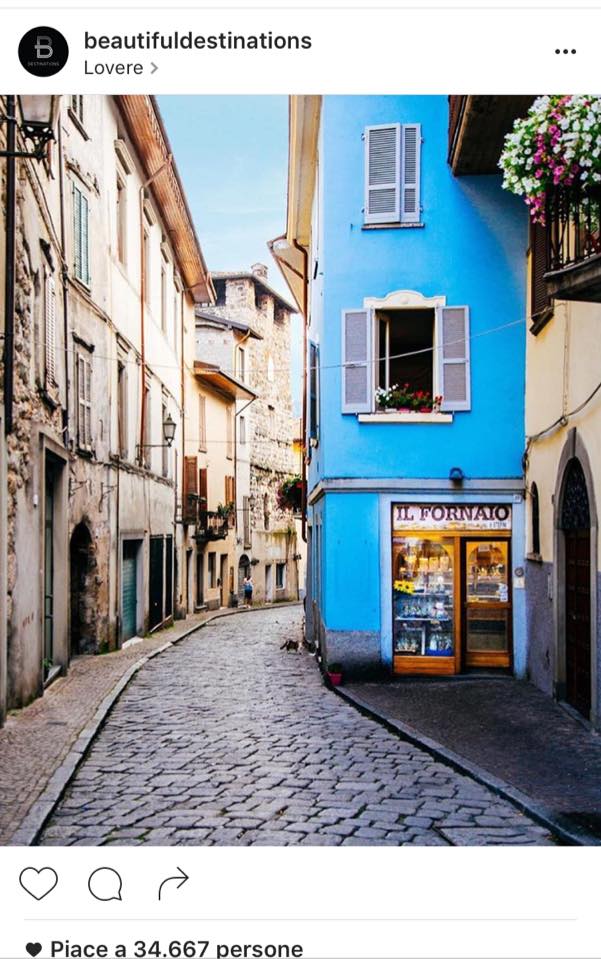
[(129, 590)]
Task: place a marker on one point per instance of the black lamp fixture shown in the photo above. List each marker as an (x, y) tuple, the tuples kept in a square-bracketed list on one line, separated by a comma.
[(168, 429), (456, 475), (35, 119)]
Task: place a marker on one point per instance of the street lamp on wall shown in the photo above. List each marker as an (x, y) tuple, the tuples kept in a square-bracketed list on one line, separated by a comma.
[(36, 124), (169, 428)]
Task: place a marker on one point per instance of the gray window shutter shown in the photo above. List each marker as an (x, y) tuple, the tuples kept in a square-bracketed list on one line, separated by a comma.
[(410, 173), (453, 340), (50, 317), (357, 372), (382, 173), (77, 232), (85, 250)]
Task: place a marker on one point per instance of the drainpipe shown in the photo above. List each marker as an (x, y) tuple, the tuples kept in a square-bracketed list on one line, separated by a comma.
[(65, 280), (9, 280), (305, 308), (144, 186)]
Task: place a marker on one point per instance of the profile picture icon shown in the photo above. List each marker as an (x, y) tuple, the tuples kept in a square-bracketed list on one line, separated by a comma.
[(43, 51)]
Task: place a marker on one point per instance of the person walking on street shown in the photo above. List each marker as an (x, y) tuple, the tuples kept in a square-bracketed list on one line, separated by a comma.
[(248, 589)]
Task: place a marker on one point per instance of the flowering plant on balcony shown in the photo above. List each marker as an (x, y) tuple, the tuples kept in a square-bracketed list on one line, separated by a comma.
[(290, 494), (404, 398), (558, 144)]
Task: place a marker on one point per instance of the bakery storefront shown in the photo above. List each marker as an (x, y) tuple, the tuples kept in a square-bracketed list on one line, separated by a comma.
[(451, 587)]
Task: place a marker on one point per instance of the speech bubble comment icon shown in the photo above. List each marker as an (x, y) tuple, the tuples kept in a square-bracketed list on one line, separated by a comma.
[(105, 884)]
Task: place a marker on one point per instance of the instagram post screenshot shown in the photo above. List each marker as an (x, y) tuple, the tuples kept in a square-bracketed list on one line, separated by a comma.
[(300, 480)]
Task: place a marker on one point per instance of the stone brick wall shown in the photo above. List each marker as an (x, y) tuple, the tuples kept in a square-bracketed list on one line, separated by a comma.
[(245, 299)]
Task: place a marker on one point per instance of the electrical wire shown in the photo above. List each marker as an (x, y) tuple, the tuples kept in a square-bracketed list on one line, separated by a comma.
[(562, 420), (332, 366)]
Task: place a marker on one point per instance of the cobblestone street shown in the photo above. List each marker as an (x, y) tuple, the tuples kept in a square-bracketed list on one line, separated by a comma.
[(227, 739)]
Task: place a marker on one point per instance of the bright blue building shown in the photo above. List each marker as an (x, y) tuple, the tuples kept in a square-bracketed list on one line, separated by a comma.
[(416, 288)]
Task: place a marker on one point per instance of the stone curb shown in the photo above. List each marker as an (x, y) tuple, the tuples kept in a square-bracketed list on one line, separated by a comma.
[(43, 807), (569, 836)]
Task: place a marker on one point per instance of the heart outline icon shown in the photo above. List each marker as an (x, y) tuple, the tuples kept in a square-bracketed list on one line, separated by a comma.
[(38, 883), (33, 948)]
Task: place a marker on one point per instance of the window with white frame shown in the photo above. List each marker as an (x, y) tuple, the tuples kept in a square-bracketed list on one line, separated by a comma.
[(202, 423), (81, 236), (122, 408), (280, 576), (392, 173), (146, 255), (77, 106), (241, 363), (121, 217), (417, 354), (84, 401), (164, 297)]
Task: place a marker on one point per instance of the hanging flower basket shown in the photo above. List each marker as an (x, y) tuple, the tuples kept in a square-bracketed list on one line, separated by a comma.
[(556, 146), (290, 494)]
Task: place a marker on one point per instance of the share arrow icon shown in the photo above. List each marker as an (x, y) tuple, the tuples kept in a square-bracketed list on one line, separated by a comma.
[(180, 880)]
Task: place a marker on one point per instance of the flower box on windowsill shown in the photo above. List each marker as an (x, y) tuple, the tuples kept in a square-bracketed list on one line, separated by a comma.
[(396, 416)]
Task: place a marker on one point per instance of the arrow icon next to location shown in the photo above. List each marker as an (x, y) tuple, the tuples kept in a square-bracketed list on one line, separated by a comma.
[(180, 880), (154, 70)]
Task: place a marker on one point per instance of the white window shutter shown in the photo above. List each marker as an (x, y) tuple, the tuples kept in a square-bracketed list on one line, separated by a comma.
[(357, 367), (410, 173), (382, 173), (50, 323), (453, 343)]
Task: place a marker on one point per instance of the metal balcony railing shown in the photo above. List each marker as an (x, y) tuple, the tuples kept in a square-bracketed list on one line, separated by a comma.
[(573, 219), (211, 525)]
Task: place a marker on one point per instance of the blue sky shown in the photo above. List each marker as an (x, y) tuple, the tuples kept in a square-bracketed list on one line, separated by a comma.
[(232, 154)]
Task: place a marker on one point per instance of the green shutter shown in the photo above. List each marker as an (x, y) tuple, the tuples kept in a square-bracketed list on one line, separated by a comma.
[(85, 253), (77, 232)]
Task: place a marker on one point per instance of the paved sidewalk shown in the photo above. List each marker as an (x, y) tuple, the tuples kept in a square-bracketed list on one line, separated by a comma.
[(227, 739), (508, 728), (34, 741)]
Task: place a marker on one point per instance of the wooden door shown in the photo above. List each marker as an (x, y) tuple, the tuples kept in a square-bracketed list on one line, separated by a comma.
[(487, 590), (578, 619)]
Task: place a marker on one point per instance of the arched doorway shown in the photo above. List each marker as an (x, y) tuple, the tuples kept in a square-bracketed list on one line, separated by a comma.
[(243, 570), (82, 592), (575, 523)]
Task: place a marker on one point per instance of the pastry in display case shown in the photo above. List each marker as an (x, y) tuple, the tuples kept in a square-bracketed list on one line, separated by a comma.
[(423, 597), (486, 564)]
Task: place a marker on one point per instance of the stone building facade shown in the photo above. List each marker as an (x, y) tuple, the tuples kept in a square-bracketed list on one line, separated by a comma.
[(255, 331), (89, 511)]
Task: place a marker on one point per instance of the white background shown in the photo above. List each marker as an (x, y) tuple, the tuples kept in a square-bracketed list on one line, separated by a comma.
[(351, 902)]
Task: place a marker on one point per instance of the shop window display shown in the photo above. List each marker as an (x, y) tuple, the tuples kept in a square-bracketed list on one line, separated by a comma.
[(423, 596)]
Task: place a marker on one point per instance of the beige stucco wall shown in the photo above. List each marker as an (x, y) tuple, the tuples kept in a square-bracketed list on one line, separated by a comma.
[(563, 367)]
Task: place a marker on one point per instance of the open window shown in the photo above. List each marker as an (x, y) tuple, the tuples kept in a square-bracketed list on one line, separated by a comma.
[(404, 358)]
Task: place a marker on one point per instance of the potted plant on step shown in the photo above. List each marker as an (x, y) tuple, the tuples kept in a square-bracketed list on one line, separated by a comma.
[(334, 673)]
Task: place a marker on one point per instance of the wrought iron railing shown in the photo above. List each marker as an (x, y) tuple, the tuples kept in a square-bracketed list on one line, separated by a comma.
[(573, 219), (211, 525)]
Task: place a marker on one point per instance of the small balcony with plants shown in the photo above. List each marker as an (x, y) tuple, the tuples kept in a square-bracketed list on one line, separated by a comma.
[(212, 525), (290, 494), (553, 159)]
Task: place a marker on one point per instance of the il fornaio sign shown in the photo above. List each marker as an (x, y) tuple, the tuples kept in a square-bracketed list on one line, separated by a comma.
[(451, 516)]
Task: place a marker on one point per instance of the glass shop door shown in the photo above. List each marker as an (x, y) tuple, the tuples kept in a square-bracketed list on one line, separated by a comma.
[(487, 593)]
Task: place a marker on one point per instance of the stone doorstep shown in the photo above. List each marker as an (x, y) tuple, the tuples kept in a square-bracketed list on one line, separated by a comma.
[(518, 799), (35, 819)]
